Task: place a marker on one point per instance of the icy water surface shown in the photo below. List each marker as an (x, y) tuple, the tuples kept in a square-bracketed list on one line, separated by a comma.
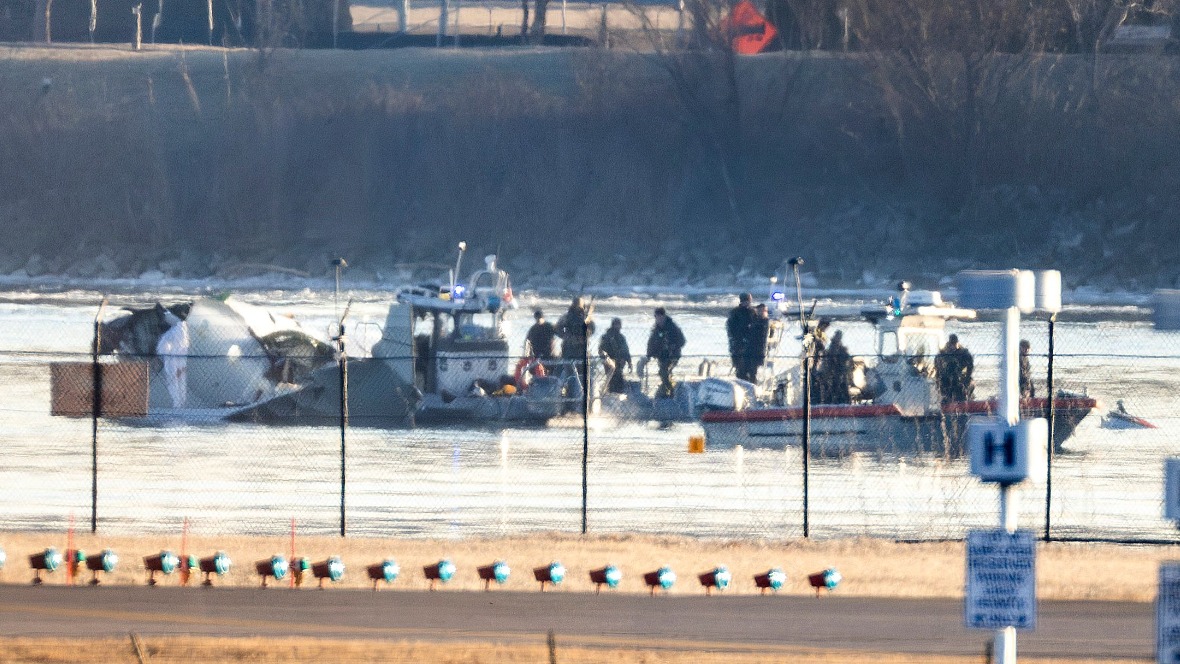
[(444, 482)]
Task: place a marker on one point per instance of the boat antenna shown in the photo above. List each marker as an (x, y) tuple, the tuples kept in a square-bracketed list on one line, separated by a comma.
[(339, 264), (795, 263), (458, 261)]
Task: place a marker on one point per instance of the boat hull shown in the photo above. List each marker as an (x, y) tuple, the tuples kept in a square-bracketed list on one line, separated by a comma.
[(845, 429)]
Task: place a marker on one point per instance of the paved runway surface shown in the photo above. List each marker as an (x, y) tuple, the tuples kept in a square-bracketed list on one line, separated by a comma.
[(1098, 630)]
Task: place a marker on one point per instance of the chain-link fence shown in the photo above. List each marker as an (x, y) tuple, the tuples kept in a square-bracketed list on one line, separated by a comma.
[(237, 421)]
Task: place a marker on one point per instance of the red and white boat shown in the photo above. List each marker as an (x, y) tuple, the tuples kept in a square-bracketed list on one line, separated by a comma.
[(896, 405)]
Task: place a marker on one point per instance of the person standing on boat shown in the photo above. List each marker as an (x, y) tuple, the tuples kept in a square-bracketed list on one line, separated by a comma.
[(574, 328), (740, 328), (664, 344), (955, 368), (836, 371), (616, 356), (539, 340), (759, 336), (817, 351), (1027, 389)]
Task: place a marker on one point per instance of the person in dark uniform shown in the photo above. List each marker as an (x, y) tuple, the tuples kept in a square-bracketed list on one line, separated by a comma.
[(818, 350), (1027, 389), (759, 334), (616, 356), (837, 371), (574, 327), (955, 368), (664, 344), (739, 327), (539, 340)]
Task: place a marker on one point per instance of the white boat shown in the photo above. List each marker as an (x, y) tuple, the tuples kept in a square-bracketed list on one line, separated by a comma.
[(1119, 418), (443, 358), (896, 406)]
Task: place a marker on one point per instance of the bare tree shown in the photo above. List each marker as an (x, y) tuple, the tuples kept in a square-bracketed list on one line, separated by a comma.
[(951, 75)]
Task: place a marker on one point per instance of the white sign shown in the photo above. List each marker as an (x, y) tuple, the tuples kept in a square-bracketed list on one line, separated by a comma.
[(1167, 614), (1172, 489), (1001, 580), (1005, 454)]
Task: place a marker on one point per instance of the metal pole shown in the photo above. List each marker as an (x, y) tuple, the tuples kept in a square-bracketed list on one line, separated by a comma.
[(1009, 407), (95, 411), (1050, 414), (343, 425), (585, 421), (806, 437)]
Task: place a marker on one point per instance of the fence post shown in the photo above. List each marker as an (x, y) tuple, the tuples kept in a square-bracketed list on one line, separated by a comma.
[(343, 423), (1050, 414), (95, 410), (806, 437), (585, 420)]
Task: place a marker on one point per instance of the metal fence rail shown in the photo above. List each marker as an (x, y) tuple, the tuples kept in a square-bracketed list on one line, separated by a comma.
[(583, 472)]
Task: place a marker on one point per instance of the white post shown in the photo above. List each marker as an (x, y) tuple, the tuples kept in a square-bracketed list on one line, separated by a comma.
[(1009, 407), (563, 17), (403, 16), (442, 23), (138, 43)]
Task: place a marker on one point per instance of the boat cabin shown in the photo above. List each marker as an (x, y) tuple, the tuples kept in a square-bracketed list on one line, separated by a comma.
[(449, 338)]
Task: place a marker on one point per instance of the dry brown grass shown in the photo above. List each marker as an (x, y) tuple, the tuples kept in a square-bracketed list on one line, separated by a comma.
[(189, 649), (870, 567)]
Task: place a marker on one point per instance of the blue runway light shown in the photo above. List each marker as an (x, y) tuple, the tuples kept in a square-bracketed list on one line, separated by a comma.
[(772, 579), (442, 571), (387, 570), (101, 562), (553, 573), (663, 578), (827, 579), (46, 561), (331, 569), (164, 562), (275, 567), (608, 576), (218, 564), (498, 571), (718, 577)]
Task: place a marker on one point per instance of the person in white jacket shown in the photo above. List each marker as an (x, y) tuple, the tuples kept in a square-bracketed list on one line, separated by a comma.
[(172, 348)]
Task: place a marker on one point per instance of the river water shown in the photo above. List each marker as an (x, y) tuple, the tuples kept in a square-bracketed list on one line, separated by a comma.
[(461, 482)]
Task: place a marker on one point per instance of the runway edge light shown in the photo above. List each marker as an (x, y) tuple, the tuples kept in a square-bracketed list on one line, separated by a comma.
[(387, 570), (275, 567), (439, 572), (663, 578), (827, 579), (218, 564), (498, 571), (164, 562), (718, 577), (771, 579), (553, 573), (101, 562), (330, 569), (45, 561), (608, 576)]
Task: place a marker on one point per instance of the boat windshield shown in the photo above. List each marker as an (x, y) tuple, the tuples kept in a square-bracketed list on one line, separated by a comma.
[(481, 326)]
